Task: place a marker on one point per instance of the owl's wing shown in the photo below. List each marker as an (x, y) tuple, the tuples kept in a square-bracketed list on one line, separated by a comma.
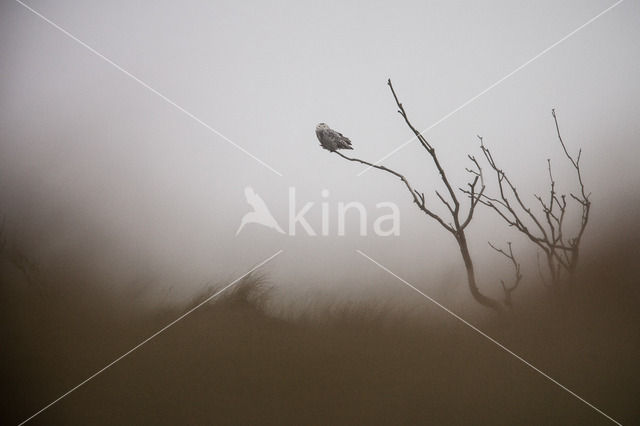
[(344, 138), (341, 138)]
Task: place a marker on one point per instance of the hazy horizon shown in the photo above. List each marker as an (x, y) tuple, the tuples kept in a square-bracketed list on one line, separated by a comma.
[(96, 169)]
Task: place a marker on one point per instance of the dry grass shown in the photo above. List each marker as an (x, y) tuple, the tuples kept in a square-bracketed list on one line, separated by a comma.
[(234, 363)]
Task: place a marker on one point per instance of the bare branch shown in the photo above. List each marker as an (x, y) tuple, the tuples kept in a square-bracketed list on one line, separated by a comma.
[(430, 149), (418, 197), (518, 276), (451, 209)]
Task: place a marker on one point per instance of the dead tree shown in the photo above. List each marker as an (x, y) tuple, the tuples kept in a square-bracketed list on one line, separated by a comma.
[(546, 228), (458, 222)]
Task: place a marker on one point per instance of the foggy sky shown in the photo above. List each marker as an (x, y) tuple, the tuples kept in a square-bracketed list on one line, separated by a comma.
[(94, 167)]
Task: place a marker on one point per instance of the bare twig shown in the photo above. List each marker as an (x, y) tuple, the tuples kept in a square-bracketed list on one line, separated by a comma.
[(518, 276)]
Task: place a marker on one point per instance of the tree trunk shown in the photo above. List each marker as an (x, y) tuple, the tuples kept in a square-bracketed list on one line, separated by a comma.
[(471, 277)]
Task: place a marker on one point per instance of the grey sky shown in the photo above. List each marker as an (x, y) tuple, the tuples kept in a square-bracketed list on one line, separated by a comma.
[(89, 157)]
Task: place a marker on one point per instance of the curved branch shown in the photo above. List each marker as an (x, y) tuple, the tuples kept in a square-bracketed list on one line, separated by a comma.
[(418, 197)]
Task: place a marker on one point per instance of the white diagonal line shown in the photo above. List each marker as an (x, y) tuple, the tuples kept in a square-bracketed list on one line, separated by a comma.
[(124, 355), (491, 339), (145, 85), (446, 116)]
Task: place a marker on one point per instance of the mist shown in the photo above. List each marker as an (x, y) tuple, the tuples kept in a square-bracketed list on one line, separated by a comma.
[(127, 144), (106, 162)]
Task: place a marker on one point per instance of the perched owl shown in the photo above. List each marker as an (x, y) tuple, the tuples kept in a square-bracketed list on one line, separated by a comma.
[(330, 139)]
